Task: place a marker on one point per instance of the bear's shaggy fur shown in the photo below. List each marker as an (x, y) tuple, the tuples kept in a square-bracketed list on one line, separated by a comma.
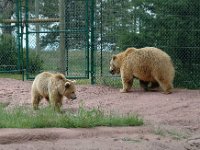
[(148, 64), (52, 87), (146, 87)]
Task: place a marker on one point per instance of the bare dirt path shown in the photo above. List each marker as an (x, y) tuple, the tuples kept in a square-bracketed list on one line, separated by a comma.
[(172, 122)]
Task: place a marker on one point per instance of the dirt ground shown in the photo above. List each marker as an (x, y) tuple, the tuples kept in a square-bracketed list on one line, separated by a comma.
[(172, 122)]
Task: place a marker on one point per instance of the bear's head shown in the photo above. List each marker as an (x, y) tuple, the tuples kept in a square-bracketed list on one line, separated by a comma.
[(115, 65), (70, 89)]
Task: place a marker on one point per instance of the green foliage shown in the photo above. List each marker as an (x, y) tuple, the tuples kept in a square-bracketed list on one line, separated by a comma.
[(16, 76), (187, 76), (178, 29), (175, 134), (170, 25), (115, 81), (131, 39), (22, 117), (10, 56), (9, 53), (35, 62)]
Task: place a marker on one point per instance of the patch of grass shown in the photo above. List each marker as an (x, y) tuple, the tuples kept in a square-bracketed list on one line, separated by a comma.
[(83, 81), (127, 139), (22, 117), (115, 81), (176, 135), (16, 76), (160, 131)]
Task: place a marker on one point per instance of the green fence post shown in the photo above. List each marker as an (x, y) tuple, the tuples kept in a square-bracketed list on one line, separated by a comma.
[(92, 44), (27, 38)]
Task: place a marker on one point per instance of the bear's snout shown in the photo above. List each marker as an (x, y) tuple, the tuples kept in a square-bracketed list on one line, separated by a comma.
[(73, 97), (112, 71)]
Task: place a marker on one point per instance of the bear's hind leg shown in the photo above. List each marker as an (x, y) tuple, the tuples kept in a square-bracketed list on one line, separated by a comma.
[(144, 85), (166, 86), (130, 84), (154, 85)]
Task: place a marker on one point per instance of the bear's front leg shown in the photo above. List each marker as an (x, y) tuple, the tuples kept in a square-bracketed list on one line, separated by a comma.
[(127, 82), (36, 98), (55, 101)]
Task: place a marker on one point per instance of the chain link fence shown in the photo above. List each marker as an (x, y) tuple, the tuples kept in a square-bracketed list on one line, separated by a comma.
[(9, 44), (57, 33), (78, 37), (173, 26)]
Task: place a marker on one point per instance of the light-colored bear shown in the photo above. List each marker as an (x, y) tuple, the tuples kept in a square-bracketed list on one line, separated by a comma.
[(148, 64), (52, 87)]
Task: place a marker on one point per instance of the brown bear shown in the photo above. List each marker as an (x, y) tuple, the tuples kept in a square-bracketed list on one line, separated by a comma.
[(146, 87), (52, 87), (148, 64)]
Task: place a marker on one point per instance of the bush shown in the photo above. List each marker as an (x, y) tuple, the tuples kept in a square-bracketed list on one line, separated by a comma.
[(130, 39), (9, 53), (35, 62), (10, 56)]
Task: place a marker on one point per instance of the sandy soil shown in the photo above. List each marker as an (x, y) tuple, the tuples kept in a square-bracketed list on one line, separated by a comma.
[(172, 122)]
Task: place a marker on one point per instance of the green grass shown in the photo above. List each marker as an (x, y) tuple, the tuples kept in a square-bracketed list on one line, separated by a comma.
[(11, 75), (23, 117), (115, 81), (76, 61), (83, 81), (174, 134)]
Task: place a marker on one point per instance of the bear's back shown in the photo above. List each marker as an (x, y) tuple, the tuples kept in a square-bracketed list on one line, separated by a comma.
[(148, 60), (153, 52), (41, 81), (150, 55)]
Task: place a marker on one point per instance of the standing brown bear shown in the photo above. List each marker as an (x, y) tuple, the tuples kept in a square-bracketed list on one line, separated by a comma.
[(148, 64), (52, 87)]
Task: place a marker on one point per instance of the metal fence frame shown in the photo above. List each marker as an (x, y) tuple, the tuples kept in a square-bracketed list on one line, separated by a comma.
[(89, 47), (96, 56)]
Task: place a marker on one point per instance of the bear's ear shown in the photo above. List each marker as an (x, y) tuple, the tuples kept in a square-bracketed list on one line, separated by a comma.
[(67, 85), (114, 57), (73, 81)]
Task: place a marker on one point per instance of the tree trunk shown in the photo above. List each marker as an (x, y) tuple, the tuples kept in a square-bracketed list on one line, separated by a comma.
[(6, 11)]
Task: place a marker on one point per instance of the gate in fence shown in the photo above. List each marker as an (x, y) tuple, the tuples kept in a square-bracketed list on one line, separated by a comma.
[(78, 37)]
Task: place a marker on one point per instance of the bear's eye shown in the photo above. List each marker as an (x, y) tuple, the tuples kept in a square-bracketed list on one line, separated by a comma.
[(72, 92)]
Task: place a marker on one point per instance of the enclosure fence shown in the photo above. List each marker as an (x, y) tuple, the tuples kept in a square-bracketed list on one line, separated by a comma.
[(78, 37)]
